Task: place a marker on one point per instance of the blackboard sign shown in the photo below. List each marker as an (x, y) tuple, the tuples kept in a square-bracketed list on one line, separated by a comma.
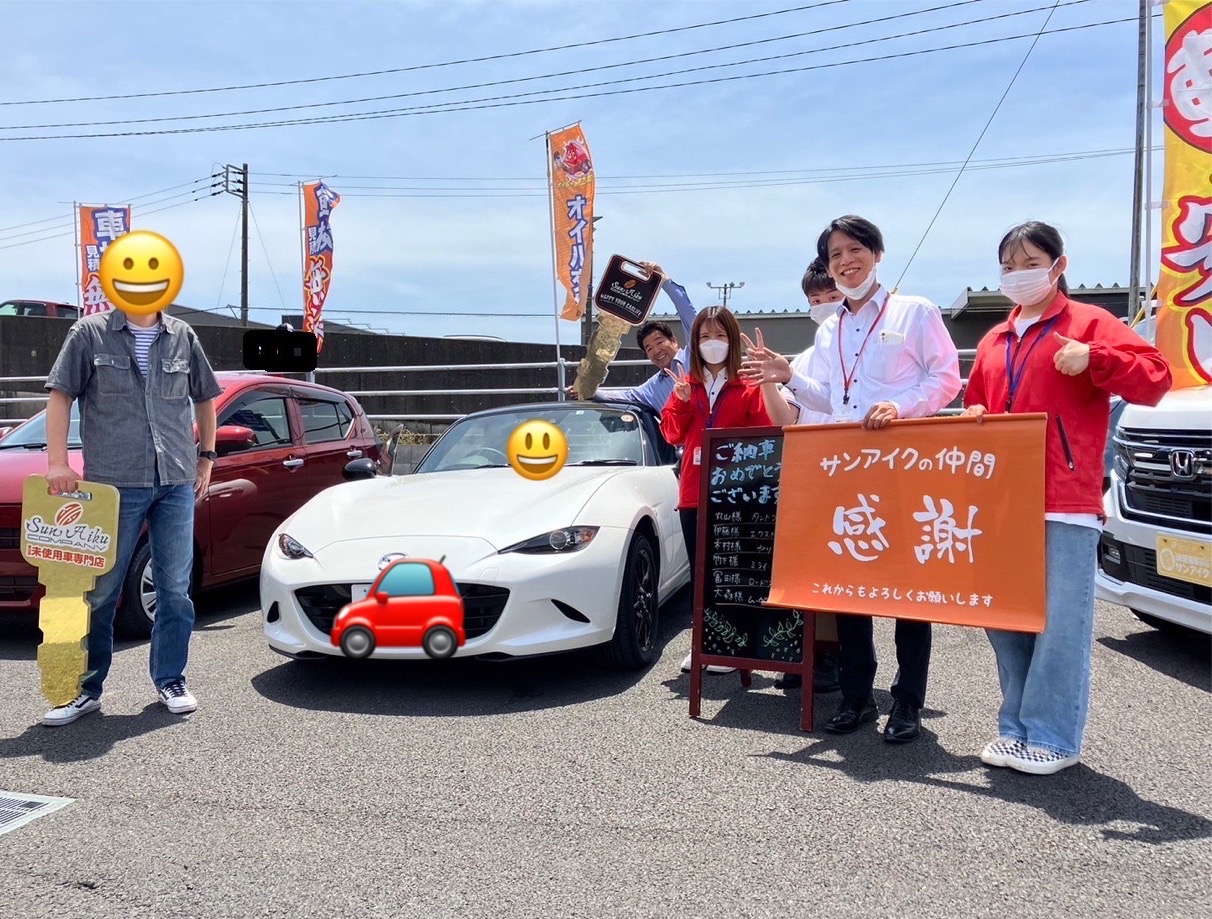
[(737, 510), (627, 290)]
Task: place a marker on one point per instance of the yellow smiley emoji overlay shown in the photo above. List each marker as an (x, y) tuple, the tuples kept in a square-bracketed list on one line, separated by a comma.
[(141, 272), (537, 450)]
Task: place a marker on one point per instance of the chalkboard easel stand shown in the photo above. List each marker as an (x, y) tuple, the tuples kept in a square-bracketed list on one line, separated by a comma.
[(738, 503)]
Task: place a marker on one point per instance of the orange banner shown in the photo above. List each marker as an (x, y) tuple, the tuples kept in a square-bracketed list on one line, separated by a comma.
[(937, 519), (572, 216), (1184, 289), (319, 201), (99, 226)]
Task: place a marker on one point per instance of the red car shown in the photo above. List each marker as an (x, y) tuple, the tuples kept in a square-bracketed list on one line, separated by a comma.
[(279, 441), (413, 602)]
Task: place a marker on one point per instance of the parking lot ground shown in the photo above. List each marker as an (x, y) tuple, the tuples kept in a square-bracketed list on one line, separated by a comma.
[(554, 787)]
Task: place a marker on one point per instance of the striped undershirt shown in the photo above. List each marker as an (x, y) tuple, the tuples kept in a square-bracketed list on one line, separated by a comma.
[(143, 343)]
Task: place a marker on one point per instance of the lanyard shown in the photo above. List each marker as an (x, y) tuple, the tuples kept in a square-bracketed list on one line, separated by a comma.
[(719, 398), (1015, 377), (848, 378)]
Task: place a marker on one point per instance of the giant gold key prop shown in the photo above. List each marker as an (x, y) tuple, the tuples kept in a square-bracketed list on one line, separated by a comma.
[(72, 540)]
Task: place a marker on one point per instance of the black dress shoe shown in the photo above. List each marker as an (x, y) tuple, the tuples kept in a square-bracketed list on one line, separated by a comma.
[(852, 713), (904, 723), (789, 681), (825, 677)]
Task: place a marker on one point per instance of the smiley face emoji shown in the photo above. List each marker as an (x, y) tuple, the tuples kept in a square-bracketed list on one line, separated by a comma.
[(537, 450), (141, 272)]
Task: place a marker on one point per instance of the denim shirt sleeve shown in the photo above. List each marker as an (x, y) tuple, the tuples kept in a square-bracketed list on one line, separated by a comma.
[(74, 366), (686, 311), (202, 383)]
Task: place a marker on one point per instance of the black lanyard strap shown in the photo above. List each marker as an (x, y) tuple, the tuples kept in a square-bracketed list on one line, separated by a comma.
[(1015, 377)]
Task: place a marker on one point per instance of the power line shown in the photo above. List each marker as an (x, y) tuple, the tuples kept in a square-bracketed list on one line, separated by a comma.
[(71, 220), (980, 137), (501, 101), (417, 67), (580, 71)]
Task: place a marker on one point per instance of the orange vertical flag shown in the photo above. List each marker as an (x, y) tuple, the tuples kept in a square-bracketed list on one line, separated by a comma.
[(572, 185)]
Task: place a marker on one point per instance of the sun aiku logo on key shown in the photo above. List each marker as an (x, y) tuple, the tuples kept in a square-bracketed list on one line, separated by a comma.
[(69, 514)]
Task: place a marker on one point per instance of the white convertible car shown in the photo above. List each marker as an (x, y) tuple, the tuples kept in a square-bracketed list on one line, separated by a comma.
[(583, 558)]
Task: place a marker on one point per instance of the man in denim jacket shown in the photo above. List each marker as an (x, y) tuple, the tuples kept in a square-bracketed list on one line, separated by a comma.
[(135, 376)]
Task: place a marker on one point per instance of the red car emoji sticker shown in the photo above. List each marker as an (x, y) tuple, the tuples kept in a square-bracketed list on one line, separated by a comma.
[(413, 603)]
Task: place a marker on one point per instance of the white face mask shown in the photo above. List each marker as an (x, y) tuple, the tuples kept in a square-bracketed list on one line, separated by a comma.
[(1027, 287), (821, 311), (857, 293), (714, 352)]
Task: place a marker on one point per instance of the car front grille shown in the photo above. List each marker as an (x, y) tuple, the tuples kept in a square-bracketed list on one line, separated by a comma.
[(482, 605), (1142, 569), (17, 589), (1152, 492)]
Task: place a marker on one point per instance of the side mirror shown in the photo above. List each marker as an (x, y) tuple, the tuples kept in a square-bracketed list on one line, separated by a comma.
[(381, 596), (387, 456), (230, 438), (363, 468)]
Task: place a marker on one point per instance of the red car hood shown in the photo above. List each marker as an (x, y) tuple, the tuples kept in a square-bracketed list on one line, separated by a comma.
[(17, 464)]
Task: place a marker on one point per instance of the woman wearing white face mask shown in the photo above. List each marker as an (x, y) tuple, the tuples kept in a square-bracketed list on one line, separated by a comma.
[(712, 395), (1065, 358)]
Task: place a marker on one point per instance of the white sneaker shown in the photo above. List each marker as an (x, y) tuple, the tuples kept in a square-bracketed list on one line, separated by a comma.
[(713, 669), (1042, 761), (999, 752), (76, 708), (177, 699)]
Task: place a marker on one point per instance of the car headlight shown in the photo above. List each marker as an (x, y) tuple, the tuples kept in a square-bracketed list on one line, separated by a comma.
[(292, 548), (566, 539), (1119, 463)]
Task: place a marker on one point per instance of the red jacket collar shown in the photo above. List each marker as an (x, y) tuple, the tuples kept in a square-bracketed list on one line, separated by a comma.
[(1059, 304)]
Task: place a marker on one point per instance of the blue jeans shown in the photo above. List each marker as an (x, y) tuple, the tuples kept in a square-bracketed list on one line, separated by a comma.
[(1046, 677), (169, 512)]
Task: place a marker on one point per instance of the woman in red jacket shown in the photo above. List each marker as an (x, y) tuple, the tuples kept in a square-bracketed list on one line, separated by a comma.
[(712, 395), (1065, 358)]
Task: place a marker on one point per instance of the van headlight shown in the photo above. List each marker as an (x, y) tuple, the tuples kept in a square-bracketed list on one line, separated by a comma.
[(292, 548), (566, 539)]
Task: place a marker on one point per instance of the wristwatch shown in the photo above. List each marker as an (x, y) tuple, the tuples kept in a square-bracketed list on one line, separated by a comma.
[(208, 454)]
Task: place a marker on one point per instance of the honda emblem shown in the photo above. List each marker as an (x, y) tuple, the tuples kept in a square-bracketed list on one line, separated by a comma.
[(1182, 464)]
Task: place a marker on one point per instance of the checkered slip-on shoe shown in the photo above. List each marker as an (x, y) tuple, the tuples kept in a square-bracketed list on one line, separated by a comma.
[(1042, 761), (999, 752)]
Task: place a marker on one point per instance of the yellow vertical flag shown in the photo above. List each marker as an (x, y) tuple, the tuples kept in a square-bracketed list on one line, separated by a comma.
[(1184, 316), (572, 216)]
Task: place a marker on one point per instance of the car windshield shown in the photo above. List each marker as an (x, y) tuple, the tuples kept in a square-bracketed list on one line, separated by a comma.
[(32, 435), (596, 437)]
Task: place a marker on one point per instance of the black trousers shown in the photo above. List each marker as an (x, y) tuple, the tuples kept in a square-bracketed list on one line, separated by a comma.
[(690, 532), (856, 656)]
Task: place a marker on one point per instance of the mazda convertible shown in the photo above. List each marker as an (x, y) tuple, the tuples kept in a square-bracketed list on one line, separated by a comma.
[(582, 558)]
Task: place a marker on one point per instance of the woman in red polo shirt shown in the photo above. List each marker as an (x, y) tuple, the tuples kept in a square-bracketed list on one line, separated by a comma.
[(712, 395), (1065, 358)]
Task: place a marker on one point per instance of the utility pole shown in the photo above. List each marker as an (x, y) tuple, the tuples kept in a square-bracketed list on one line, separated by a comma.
[(235, 182), (726, 290), (1138, 205)]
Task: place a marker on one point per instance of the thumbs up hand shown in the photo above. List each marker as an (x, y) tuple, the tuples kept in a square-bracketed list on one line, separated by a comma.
[(1073, 357)]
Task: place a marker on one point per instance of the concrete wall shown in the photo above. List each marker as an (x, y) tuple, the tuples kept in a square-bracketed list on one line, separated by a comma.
[(28, 347)]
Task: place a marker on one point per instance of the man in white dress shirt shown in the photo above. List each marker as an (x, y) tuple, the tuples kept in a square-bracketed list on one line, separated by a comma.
[(878, 358)]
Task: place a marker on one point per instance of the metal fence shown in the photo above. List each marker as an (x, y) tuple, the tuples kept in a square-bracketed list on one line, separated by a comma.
[(561, 367)]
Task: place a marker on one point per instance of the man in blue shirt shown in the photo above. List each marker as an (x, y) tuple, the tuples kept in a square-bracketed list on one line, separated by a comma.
[(661, 347)]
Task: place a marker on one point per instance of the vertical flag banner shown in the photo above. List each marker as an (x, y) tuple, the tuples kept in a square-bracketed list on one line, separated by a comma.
[(319, 201), (572, 186), (99, 226), (1184, 316)]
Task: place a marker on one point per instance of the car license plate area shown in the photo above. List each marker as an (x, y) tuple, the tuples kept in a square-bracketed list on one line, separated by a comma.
[(358, 592), (1185, 560)]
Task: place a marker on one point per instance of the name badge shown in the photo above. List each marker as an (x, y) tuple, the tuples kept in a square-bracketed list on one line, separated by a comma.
[(697, 458), (891, 338)]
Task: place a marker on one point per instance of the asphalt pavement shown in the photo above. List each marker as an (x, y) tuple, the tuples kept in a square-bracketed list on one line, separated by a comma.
[(555, 788)]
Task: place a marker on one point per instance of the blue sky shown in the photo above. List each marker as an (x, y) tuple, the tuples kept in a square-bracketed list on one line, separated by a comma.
[(446, 214)]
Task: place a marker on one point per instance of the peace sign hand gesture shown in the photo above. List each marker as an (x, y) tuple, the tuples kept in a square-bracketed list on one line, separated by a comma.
[(681, 388), (761, 365)]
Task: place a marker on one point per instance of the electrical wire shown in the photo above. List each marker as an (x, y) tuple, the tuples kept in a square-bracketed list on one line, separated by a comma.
[(980, 137), (503, 101), (273, 274), (581, 71), (417, 67)]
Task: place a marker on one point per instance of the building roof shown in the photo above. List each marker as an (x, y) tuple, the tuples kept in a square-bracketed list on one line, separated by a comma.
[(1113, 297)]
